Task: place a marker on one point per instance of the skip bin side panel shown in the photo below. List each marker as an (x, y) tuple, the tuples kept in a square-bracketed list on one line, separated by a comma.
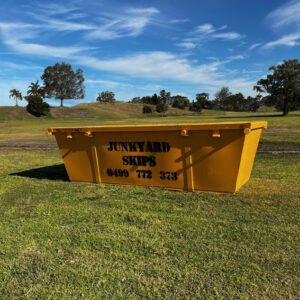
[(77, 155), (141, 158), (215, 161), (248, 156)]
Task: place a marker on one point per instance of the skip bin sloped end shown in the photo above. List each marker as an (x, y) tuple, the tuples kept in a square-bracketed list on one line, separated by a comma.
[(251, 141)]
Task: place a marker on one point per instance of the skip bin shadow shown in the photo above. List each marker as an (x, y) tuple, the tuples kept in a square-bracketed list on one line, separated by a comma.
[(55, 172)]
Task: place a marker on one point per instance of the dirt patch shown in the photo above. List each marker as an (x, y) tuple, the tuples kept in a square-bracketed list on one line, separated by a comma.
[(265, 147), (32, 145)]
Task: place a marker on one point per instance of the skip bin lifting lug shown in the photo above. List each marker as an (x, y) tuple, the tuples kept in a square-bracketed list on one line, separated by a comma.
[(216, 134), (184, 132), (247, 130), (88, 134)]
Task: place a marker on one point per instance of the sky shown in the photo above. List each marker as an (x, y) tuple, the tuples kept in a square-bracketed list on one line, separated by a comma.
[(138, 47)]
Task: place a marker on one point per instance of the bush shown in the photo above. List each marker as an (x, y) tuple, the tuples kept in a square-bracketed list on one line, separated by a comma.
[(196, 106), (180, 102), (36, 106), (161, 107), (106, 97), (147, 109)]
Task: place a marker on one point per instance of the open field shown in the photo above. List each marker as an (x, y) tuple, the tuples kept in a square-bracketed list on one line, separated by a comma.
[(67, 240), (27, 132)]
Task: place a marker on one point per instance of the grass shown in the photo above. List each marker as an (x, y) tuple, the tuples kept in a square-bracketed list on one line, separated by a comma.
[(77, 240), (62, 240), (283, 132)]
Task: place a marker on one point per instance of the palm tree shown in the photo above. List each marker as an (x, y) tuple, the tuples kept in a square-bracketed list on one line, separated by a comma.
[(16, 95), (35, 89)]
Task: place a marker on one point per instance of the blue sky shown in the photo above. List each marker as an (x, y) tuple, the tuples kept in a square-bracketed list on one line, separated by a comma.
[(136, 48)]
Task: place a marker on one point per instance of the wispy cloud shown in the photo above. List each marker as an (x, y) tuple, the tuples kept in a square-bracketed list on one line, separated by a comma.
[(19, 67), (130, 24), (104, 26), (15, 36), (285, 18), (208, 32), (187, 45), (289, 40), (164, 65), (255, 45), (179, 21), (285, 15)]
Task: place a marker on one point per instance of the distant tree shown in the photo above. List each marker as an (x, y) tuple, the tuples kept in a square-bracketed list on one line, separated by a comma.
[(35, 89), (147, 109), (36, 105), (154, 99), (61, 82), (252, 103), (106, 97), (282, 85), (234, 102), (180, 102), (146, 100), (135, 100), (203, 100), (195, 106), (220, 97), (164, 97), (161, 107), (16, 95)]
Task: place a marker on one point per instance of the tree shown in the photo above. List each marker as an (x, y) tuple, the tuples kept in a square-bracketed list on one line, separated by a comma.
[(220, 98), (200, 103), (61, 82), (161, 107), (164, 97), (106, 97), (147, 109), (154, 99), (35, 89), (146, 99), (16, 95), (282, 85), (253, 103), (203, 100), (180, 102), (36, 105), (136, 100), (234, 102)]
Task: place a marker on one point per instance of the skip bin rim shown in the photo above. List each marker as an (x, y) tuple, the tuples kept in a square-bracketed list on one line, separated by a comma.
[(252, 125)]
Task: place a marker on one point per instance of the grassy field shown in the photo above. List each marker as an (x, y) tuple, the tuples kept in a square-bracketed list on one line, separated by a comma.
[(62, 240), (283, 132)]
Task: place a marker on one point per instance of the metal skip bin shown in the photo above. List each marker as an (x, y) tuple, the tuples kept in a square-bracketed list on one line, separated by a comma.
[(202, 157)]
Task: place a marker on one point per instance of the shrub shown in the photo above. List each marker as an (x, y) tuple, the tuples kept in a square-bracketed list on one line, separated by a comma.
[(106, 97), (161, 107), (36, 106), (147, 109)]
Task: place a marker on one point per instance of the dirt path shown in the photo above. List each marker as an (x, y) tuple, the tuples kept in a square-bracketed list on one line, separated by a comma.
[(52, 146)]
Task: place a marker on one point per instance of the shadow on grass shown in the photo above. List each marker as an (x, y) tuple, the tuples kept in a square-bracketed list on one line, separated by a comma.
[(55, 172)]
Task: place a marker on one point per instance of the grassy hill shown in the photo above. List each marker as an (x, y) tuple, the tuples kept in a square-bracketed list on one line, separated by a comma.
[(66, 240), (107, 111)]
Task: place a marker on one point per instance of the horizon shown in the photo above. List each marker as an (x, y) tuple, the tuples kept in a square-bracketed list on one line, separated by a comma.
[(138, 48)]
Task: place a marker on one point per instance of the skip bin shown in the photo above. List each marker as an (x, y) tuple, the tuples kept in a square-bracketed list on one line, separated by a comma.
[(203, 156)]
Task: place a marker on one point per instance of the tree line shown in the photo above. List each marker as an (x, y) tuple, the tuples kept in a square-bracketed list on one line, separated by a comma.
[(281, 89), (224, 100)]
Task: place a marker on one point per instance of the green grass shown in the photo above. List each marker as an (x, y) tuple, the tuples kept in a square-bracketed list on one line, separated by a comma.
[(283, 132), (62, 240), (77, 240)]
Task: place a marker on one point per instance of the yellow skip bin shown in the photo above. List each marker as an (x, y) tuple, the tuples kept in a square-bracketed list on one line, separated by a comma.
[(202, 156)]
